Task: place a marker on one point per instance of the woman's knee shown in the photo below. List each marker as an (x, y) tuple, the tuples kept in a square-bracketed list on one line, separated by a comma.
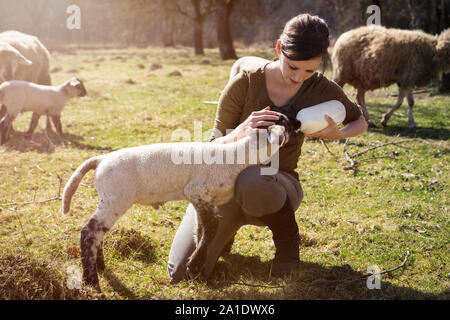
[(259, 194)]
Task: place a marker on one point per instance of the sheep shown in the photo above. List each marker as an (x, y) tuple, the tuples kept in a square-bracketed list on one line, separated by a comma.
[(18, 96), (245, 63), (373, 57), (24, 57), (154, 174)]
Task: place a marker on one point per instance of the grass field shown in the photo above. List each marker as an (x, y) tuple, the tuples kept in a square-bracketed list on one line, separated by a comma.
[(394, 201)]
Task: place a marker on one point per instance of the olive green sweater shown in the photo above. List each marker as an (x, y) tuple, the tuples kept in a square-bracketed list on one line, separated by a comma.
[(247, 92)]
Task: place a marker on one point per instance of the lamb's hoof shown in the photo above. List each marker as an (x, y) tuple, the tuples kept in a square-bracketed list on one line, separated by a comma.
[(91, 281), (92, 284), (193, 271), (194, 268)]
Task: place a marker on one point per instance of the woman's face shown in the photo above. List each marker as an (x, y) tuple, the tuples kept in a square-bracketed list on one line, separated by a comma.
[(295, 72)]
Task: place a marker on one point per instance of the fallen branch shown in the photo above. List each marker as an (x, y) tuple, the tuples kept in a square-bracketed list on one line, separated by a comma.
[(57, 197), (376, 147), (329, 151), (349, 159)]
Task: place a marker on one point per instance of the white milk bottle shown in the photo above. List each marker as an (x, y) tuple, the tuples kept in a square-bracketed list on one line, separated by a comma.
[(312, 119)]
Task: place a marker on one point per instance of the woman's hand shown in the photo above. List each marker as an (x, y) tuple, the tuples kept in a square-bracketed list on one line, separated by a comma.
[(331, 132), (255, 120)]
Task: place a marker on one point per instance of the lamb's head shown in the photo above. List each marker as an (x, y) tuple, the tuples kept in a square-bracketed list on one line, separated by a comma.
[(442, 57), (284, 129), (10, 59), (74, 88)]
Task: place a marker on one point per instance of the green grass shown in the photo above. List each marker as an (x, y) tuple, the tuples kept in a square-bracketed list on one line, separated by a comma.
[(396, 201)]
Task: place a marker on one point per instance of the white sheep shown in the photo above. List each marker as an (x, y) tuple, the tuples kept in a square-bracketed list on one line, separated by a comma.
[(154, 174), (24, 57), (373, 57), (19, 96), (246, 63)]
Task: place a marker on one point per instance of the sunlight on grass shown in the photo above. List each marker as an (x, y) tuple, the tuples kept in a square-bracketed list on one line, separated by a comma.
[(396, 200)]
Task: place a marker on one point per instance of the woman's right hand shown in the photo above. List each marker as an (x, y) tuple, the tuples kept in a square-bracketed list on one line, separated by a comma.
[(256, 119)]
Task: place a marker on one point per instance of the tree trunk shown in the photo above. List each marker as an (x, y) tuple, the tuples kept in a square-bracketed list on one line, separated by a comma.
[(168, 24), (198, 28), (198, 36), (224, 38)]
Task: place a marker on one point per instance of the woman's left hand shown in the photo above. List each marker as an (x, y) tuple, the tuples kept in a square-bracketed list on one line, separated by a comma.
[(331, 132)]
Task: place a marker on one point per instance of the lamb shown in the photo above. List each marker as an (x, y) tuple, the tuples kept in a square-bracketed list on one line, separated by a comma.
[(18, 96), (373, 57), (24, 57), (153, 174), (245, 63)]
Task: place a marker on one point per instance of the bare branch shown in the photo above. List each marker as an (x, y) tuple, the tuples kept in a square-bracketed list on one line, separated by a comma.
[(57, 197)]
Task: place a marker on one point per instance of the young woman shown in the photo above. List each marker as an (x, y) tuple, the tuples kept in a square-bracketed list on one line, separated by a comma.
[(291, 82)]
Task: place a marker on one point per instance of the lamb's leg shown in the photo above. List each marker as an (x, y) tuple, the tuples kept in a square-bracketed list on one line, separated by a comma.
[(100, 258), (48, 125), (387, 115), (57, 123), (91, 240), (6, 126), (362, 102), (33, 124), (2, 110), (410, 98), (207, 227)]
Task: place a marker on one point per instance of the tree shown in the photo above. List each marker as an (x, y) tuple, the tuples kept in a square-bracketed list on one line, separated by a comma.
[(224, 9), (201, 9)]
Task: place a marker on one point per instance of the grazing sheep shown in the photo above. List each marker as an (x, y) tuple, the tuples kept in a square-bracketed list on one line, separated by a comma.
[(373, 57), (18, 96), (23, 57), (245, 63), (153, 174)]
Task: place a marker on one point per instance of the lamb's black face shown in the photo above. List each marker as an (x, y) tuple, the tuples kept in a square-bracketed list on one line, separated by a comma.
[(284, 128)]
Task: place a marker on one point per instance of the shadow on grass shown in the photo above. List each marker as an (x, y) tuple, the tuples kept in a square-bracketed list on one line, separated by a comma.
[(118, 286), (419, 132), (46, 142), (308, 281), (425, 115)]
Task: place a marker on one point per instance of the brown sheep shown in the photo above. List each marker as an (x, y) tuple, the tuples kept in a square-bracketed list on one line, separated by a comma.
[(373, 57), (23, 57)]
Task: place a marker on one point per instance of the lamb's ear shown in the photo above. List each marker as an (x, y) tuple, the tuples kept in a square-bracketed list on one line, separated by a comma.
[(297, 125), (74, 82), (22, 60)]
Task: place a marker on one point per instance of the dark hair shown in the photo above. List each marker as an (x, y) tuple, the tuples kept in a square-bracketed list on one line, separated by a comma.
[(306, 37)]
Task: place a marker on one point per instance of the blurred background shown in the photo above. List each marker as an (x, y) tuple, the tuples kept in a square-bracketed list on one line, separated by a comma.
[(204, 23)]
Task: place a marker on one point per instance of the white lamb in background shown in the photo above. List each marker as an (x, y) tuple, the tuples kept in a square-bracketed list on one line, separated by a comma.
[(19, 96), (245, 63)]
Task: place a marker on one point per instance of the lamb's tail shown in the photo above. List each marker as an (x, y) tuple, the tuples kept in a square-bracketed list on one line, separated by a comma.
[(76, 178)]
